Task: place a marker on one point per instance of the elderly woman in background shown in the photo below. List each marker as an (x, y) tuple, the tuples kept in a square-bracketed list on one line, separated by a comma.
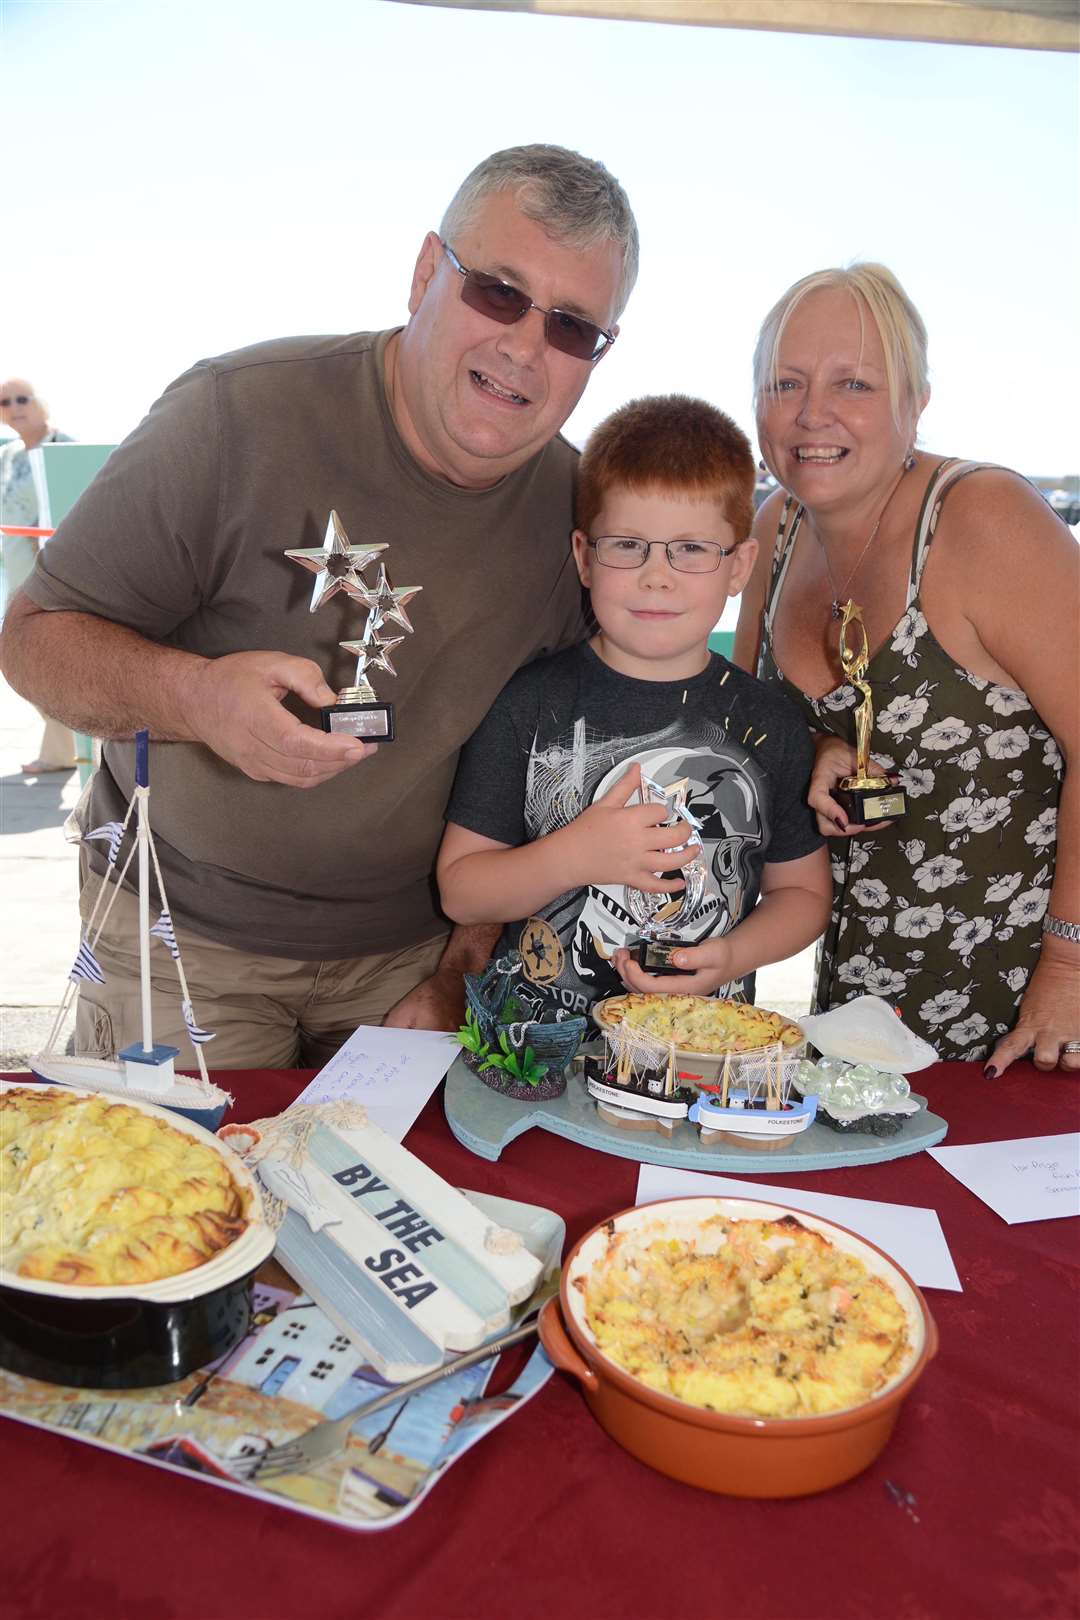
[(26, 414), (965, 913)]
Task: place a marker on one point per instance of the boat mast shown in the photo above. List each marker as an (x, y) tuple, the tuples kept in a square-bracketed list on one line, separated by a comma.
[(142, 835)]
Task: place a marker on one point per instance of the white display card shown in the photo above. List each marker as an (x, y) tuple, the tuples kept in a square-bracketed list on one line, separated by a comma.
[(392, 1072), (1032, 1178), (910, 1235)]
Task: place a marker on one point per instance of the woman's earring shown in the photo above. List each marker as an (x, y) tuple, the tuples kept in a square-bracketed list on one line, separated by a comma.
[(909, 460)]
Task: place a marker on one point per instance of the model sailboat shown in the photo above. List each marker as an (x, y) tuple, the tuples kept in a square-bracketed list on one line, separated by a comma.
[(143, 1071)]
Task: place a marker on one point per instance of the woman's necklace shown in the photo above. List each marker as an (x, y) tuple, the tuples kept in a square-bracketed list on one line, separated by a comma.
[(840, 591)]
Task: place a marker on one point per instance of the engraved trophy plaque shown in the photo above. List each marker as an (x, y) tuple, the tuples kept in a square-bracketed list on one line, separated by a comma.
[(867, 798), (358, 712), (339, 566), (658, 915)]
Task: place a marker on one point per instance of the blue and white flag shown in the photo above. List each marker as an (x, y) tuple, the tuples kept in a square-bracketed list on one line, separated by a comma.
[(114, 832), (85, 966), (163, 930), (197, 1035)]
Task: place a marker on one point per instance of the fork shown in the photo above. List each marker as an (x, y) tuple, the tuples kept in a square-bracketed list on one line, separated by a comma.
[(323, 1440)]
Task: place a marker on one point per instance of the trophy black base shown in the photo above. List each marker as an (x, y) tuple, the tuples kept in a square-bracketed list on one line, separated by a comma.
[(370, 722), (654, 956), (866, 803)]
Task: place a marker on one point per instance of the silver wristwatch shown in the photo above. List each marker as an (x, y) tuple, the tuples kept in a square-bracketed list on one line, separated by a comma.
[(1061, 929)]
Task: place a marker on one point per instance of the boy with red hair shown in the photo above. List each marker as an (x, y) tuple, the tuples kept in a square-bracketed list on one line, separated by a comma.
[(546, 819)]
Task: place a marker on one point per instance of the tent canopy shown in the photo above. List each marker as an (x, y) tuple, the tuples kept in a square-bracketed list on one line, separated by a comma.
[(1048, 25)]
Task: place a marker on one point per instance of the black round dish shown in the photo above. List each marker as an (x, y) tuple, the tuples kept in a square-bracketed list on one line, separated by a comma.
[(120, 1343)]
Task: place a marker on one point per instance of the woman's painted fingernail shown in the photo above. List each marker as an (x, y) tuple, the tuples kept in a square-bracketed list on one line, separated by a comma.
[(990, 1072)]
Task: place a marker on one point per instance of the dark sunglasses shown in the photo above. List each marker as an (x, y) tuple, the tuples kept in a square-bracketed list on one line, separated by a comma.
[(571, 334), (20, 399)]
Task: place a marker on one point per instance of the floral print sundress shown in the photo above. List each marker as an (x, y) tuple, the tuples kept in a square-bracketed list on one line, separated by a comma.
[(941, 913)]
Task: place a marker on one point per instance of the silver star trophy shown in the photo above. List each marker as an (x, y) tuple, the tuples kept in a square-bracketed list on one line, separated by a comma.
[(658, 916), (338, 566)]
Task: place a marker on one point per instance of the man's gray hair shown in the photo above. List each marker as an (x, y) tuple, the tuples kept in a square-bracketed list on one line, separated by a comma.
[(573, 198)]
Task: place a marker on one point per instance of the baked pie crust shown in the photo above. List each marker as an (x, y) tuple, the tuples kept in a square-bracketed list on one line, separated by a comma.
[(699, 1024), (97, 1193)]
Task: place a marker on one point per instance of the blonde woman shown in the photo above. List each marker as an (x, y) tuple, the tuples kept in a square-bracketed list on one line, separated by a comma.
[(966, 913)]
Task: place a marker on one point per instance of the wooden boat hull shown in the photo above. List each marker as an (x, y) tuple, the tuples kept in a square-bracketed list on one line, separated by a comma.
[(205, 1108)]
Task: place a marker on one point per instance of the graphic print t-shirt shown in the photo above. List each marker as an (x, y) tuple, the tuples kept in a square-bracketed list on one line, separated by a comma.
[(566, 728)]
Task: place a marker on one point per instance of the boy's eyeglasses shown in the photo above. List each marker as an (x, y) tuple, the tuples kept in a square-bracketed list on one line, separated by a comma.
[(571, 334), (686, 556), (16, 399)]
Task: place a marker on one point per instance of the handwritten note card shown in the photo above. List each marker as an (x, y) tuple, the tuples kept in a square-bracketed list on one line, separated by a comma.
[(910, 1234), (391, 1071), (1034, 1178)]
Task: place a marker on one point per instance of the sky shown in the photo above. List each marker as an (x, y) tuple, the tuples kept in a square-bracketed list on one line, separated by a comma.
[(188, 176)]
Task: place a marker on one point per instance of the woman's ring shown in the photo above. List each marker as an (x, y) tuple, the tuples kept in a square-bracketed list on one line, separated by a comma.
[(1072, 1048)]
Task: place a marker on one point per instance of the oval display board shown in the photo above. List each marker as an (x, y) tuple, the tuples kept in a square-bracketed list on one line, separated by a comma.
[(484, 1122)]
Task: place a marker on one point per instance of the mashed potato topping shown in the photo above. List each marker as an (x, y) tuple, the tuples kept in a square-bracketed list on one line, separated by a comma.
[(699, 1023), (754, 1318), (95, 1192)]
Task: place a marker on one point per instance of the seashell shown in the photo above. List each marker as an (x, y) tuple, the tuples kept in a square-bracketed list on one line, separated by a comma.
[(500, 1240), (241, 1138)]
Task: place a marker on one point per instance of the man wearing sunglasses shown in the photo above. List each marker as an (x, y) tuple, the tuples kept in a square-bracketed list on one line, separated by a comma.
[(24, 411), (166, 600)]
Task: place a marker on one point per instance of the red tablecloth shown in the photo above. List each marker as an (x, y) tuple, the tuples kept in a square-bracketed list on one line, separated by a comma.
[(549, 1517)]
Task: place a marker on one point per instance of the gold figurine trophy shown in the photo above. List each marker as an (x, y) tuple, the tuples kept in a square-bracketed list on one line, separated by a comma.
[(866, 799), (338, 566)]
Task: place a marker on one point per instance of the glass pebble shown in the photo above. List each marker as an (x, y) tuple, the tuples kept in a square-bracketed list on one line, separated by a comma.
[(852, 1085)]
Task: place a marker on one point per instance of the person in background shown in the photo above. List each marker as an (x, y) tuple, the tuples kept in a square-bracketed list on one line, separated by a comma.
[(27, 415), (966, 913), (546, 830), (166, 600)]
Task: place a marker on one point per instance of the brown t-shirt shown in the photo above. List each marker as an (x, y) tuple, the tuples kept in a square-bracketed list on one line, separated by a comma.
[(182, 536)]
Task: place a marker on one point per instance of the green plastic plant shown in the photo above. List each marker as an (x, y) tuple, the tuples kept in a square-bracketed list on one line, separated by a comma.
[(471, 1036), (519, 1066)]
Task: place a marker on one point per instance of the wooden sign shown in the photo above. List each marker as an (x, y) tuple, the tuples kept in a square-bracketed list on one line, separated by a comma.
[(401, 1260)]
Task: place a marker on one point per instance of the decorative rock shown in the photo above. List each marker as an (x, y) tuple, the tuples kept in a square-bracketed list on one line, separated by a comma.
[(867, 1124)]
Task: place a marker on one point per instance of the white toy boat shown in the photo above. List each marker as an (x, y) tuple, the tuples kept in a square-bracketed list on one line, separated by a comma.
[(143, 1071), (637, 1076), (761, 1110), (753, 1123)]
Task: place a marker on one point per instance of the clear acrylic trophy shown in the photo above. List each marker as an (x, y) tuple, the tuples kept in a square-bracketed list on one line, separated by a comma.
[(659, 915)]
